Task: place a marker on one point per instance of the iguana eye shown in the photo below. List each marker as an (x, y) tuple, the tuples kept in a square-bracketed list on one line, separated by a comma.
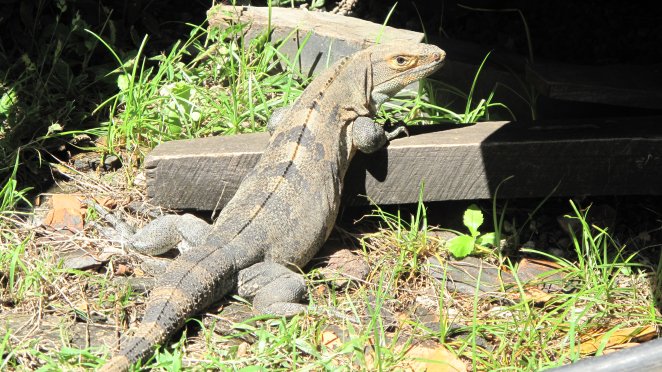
[(401, 62)]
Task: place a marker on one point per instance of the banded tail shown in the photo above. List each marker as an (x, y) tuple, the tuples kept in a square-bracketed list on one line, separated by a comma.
[(191, 283)]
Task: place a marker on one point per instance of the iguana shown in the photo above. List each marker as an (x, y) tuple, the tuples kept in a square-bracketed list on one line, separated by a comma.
[(285, 208)]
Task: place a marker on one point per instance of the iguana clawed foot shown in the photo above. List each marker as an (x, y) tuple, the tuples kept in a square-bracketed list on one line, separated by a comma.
[(162, 234), (367, 135), (273, 288), (395, 133)]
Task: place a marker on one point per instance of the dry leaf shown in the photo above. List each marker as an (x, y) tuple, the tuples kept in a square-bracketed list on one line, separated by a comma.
[(106, 202), (123, 270), (61, 219), (330, 340), (320, 290), (591, 343), (434, 358), (140, 273), (536, 295), (242, 350), (551, 265), (535, 269), (616, 348), (64, 201), (66, 213)]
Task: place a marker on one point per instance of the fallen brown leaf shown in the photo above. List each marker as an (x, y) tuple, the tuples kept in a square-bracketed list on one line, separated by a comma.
[(123, 270), (106, 202), (535, 295), (330, 340), (591, 343), (433, 358), (616, 348), (535, 269), (64, 201), (65, 214), (320, 290)]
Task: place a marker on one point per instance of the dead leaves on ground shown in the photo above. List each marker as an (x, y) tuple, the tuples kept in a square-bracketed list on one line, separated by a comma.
[(66, 211), (62, 229), (613, 340), (538, 282), (433, 358), (419, 356)]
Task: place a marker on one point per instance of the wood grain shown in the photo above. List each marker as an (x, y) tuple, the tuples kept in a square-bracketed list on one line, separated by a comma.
[(587, 157), (322, 37), (620, 85)]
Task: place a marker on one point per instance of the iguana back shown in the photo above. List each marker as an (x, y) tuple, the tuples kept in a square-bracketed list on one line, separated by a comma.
[(286, 206)]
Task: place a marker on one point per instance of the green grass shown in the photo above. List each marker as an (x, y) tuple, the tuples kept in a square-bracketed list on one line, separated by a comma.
[(209, 84), (23, 273), (212, 83), (596, 298), (605, 290), (203, 86)]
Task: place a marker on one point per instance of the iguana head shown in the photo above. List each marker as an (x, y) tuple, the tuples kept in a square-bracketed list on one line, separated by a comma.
[(395, 66)]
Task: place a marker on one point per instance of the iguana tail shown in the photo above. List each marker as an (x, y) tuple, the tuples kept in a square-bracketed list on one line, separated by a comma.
[(191, 283)]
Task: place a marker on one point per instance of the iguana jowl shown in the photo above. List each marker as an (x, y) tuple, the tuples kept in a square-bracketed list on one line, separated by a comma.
[(285, 207)]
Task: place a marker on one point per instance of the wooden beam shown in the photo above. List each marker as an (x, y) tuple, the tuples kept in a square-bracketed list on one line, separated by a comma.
[(620, 85), (587, 157), (329, 36)]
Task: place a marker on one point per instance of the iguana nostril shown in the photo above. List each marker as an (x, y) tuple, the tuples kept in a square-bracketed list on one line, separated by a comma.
[(436, 56)]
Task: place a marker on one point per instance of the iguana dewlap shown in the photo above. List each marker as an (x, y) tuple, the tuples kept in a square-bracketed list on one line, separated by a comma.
[(285, 207)]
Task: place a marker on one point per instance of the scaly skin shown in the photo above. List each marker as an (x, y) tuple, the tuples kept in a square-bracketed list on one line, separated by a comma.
[(287, 205)]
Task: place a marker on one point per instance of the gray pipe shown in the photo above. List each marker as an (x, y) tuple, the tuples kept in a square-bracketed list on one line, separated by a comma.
[(641, 358)]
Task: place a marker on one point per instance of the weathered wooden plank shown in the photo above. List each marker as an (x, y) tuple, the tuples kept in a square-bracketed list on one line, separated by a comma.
[(588, 157), (620, 85), (332, 36)]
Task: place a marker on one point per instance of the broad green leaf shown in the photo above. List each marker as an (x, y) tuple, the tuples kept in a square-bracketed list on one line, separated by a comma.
[(487, 239), (123, 82), (461, 246), (473, 218), (7, 101)]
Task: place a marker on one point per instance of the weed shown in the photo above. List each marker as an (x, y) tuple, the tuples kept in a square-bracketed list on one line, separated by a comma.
[(411, 238), (464, 245), (212, 83), (48, 86), (10, 194), (222, 88)]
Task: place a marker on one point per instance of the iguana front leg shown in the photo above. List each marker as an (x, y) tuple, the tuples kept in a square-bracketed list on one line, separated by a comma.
[(160, 235), (369, 136), (274, 288)]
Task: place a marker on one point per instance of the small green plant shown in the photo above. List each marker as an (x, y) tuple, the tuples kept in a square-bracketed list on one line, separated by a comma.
[(411, 238), (527, 91), (10, 193), (466, 244), (209, 84)]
